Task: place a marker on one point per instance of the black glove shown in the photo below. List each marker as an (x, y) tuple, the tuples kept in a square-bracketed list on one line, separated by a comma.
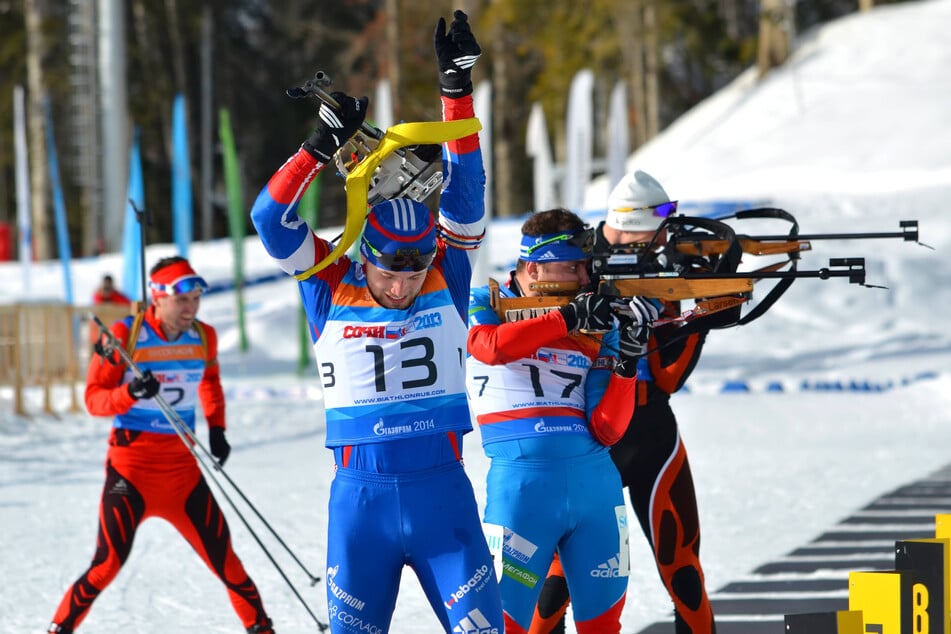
[(145, 386), (336, 125), (456, 54), (588, 311), (644, 312), (219, 444), (633, 346), (635, 335)]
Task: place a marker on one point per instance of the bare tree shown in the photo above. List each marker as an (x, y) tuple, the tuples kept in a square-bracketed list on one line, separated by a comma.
[(152, 65), (730, 13), (510, 72), (773, 35), (178, 52), (390, 67), (36, 49), (651, 80), (639, 44)]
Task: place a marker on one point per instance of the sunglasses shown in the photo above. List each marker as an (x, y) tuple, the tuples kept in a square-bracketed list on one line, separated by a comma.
[(181, 286), (582, 239), (401, 260), (661, 211)]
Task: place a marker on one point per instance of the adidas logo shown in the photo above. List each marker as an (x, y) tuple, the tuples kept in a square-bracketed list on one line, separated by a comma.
[(465, 61), (608, 569), (120, 488), (475, 623)]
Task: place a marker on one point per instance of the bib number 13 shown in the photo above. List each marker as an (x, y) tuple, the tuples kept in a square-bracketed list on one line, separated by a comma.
[(424, 360)]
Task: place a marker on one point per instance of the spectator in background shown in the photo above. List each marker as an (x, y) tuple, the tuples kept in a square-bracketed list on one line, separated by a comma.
[(108, 294)]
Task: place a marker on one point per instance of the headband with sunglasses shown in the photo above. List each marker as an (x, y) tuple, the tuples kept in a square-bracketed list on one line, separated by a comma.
[(180, 286), (566, 246)]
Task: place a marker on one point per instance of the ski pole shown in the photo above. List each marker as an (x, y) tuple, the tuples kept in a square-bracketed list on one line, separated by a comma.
[(188, 437)]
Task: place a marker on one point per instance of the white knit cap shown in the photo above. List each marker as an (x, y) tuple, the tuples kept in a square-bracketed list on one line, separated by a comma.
[(634, 191)]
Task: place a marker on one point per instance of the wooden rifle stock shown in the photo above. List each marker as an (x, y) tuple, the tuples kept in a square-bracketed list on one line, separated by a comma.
[(518, 308), (720, 294), (713, 291), (703, 247), (674, 288)]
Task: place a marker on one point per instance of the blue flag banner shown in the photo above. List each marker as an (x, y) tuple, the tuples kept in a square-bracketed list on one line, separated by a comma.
[(59, 206), (24, 220), (181, 179), (131, 232)]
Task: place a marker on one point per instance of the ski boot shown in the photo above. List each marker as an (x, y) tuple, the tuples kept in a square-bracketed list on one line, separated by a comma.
[(265, 627)]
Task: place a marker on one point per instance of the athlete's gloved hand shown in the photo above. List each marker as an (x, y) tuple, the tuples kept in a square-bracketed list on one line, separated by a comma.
[(145, 386), (632, 345), (456, 54), (644, 312), (588, 311), (336, 125), (218, 444)]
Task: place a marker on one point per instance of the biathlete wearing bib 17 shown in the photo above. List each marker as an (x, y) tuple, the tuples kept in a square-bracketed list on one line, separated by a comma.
[(549, 405)]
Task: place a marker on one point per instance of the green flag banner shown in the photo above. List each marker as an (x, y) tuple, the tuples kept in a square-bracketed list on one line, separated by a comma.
[(236, 217)]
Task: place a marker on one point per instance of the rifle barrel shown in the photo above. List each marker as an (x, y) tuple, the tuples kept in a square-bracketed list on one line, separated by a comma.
[(853, 268), (837, 236), (909, 233)]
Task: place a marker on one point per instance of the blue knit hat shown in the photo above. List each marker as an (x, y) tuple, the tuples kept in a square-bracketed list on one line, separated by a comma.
[(399, 235)]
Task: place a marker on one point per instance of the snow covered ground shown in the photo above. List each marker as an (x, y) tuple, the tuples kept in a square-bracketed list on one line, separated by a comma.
[(851, 136)]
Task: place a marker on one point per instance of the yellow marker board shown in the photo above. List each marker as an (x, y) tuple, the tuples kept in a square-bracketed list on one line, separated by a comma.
[(883, 598)]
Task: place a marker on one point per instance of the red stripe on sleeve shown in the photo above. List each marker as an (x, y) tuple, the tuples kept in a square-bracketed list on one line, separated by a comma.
[(454, 110)]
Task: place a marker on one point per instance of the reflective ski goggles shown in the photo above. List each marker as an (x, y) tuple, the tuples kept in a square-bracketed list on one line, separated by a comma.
[(402, 260), (180, 286), (566, 246), (660, 211)]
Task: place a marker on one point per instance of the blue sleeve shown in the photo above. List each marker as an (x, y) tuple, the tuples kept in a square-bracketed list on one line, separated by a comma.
[(461, 220), (480, 311)]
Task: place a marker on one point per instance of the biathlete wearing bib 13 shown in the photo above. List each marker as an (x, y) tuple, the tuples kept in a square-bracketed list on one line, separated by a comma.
[(394, 391)]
